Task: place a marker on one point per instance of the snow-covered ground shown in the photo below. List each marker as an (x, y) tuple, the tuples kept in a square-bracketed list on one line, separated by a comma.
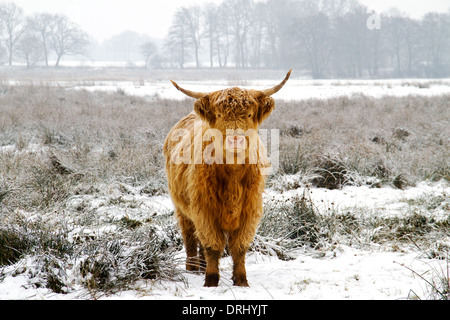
[(386, 201), (297, 89), (344, 272)]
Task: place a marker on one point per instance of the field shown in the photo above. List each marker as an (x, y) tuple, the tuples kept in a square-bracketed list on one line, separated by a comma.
[(358, 209)]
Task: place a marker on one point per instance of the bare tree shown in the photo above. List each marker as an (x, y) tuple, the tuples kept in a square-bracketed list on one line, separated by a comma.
[(241, 16), (223, 39), (314, 33), (43, 24), (211, 21), (435, 37), (395, 26), (411, 28), (12, 18), (256, 34), (192, 23), (67, 39), (350, 40), (276, 12), (30, 49), (148, 50), (176, 41)]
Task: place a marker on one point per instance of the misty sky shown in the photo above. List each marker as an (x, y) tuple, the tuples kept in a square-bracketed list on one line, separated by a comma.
[(105, 18)]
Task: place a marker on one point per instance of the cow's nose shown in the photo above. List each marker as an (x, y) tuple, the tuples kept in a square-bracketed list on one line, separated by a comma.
[(236, 142)]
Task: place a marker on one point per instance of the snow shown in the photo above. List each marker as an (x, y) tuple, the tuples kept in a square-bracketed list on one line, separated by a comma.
[(346, 273), (343, 272), (386, 201), (298, 89)]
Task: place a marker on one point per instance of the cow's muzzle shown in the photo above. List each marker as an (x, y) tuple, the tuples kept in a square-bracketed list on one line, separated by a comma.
[(236, 143)]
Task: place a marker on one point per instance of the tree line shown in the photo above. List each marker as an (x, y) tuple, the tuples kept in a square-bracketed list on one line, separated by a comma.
[(328, 38), (325, 38), (33, 38)]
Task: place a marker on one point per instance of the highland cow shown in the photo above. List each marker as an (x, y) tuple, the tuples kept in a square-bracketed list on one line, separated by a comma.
[(214, 163)]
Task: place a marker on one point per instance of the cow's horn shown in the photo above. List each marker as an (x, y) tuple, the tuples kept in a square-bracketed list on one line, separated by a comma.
[(192, 94), (271, 91)]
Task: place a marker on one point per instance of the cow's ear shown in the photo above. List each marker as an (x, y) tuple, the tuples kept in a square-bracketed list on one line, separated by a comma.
[(266, 106), (202, 107)]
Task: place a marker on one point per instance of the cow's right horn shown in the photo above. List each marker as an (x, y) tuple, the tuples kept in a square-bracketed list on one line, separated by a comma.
[(271, 91), (192, 94)]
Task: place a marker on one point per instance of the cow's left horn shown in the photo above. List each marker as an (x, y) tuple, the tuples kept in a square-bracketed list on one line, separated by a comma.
[(192, 94), (271, 91)]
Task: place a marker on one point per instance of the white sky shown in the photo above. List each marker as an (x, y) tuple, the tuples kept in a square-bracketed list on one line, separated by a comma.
[(105, 18)]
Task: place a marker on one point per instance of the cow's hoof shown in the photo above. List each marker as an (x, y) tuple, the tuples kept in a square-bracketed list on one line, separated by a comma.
[(240, 281), (211, 280)]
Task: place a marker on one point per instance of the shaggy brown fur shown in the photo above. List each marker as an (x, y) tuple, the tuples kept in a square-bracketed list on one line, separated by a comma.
[(220, 202)]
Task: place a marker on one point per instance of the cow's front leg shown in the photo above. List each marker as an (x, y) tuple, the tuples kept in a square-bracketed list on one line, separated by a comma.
[(213, 241), (239, 272), (238, 250), (212, 267), (239, 241)]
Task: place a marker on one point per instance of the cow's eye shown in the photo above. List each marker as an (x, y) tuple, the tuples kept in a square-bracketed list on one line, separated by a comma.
[(249, 115), (219, 115)]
